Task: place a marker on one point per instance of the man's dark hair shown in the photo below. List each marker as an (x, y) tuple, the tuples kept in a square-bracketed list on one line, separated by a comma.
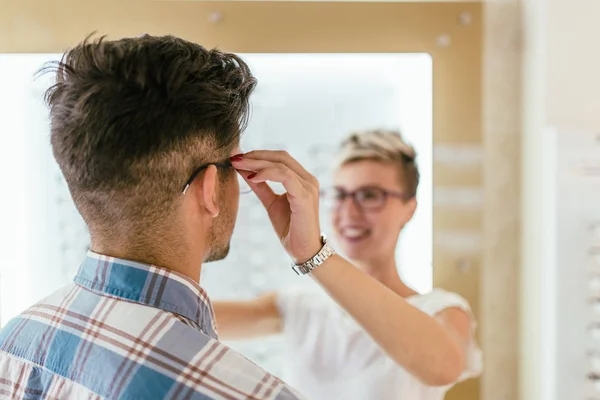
[(132, 118)]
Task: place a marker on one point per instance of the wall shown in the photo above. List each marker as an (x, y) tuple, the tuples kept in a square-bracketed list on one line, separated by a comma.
[(534, 105), (501, 177), (573, 62)]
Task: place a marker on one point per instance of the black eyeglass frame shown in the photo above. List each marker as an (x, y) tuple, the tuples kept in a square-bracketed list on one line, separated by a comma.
[(202, 168)]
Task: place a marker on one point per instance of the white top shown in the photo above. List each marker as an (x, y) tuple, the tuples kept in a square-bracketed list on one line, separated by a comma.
[(333, 358)]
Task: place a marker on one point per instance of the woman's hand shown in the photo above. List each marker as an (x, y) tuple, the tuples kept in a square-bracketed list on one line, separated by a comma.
[(294, 214)]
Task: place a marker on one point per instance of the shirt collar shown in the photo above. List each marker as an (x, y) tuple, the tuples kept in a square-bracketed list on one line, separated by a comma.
[(149, 285)]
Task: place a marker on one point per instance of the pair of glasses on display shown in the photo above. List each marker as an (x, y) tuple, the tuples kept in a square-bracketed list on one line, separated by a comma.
[(593, 356)]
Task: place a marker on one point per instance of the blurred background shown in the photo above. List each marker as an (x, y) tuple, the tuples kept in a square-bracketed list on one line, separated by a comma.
[(499, 98)]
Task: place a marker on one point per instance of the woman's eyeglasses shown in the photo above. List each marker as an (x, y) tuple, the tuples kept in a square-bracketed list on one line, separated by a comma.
[(244, 188), (369, 198)]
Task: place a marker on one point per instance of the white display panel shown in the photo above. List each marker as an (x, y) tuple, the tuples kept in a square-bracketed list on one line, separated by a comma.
[(572, 282)]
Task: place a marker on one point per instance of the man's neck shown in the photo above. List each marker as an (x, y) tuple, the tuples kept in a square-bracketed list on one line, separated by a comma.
[(183, 261)]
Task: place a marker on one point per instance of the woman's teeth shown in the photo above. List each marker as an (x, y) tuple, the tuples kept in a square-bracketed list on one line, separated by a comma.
[(354, 233)]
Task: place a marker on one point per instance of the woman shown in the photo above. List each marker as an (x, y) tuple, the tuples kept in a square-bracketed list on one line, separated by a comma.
[(363, 334)]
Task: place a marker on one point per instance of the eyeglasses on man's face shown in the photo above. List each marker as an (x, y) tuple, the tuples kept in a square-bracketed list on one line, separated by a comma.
[(370, 198), (244, 188)]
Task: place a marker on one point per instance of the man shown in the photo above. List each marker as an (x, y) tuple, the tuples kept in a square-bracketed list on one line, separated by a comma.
[(143, 130)]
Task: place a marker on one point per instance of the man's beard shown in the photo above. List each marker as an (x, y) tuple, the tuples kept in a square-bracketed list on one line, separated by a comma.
[(217, 254), (220, 234)]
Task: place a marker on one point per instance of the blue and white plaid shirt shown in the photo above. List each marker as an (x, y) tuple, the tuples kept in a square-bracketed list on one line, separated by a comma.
[(126, 330)]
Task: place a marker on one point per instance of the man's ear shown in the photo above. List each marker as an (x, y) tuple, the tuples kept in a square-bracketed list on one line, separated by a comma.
[(210, 190)]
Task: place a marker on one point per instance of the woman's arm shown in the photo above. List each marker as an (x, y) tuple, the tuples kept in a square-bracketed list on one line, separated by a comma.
[(238, 320), (432, 349)]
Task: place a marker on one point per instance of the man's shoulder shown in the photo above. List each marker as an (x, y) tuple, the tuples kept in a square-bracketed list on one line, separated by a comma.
[(205, 367), (126, 350), (229, 374), (193, 365)]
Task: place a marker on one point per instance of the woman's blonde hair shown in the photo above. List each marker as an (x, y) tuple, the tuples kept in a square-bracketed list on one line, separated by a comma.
[(385, 146)]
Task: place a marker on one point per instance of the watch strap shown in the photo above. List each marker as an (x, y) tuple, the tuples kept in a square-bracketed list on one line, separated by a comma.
[(323, 254)]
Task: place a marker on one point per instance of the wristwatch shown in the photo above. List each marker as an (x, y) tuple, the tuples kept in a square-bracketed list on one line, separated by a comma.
[(323, 254)]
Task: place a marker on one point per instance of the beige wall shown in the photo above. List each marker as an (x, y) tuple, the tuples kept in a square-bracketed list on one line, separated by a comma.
[(501, 176), (573, 63)]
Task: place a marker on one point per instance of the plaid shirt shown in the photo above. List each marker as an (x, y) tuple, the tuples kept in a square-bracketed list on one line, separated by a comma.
[(126, 330)]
